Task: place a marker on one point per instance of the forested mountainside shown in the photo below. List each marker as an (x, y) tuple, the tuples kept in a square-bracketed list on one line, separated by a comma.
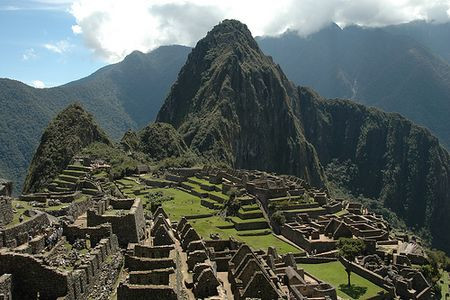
[(387, 158), (123, 96), (378, 67), (233, 104), (157, 141), (67, 134)]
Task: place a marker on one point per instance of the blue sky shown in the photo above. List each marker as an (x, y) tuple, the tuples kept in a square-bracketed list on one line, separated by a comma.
[(47, 43), (37, 44)]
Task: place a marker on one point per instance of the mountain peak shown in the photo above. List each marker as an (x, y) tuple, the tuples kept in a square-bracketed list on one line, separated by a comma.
[(70, 131), (227, 34), (229, 97)]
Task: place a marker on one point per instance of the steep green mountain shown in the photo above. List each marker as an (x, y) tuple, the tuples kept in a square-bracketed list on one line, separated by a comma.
[(233, 104), (387, 158), (376, 67), (66, 135), (157, 140), (123, 96)]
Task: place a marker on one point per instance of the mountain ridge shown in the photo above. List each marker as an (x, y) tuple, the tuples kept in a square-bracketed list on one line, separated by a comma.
[(26, 111)]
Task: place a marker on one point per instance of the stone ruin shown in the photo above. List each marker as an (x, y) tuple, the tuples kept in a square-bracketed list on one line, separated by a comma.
[(6, 187), (76, 241)]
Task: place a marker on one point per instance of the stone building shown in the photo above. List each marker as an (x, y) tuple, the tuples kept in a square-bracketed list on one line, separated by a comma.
[(6, 187)]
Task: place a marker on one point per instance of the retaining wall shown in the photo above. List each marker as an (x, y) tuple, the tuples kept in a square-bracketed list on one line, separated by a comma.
[(17, 235)]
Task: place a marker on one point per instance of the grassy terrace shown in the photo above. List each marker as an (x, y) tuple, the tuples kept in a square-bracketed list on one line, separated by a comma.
[(239, 220), (443, 282), (183, 204), (302, 210), (205, 182), (334, 273), (206, 226), (341, 213)]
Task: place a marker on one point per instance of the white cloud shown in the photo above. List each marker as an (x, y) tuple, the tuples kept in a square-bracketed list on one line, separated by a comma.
[(38, 84), (59, 47), (76, 29), (114, 28), (29, 54)]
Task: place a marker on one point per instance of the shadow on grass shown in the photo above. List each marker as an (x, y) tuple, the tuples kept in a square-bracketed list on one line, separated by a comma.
[(353, 291)]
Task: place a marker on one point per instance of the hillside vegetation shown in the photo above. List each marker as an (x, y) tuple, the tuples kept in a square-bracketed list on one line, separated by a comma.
[(123, 96), (68, 133)]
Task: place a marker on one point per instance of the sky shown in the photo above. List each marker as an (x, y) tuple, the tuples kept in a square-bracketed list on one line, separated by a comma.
[(46, 43)]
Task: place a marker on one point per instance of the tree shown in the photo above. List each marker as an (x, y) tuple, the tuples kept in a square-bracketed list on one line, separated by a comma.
[(349, 249), (278, 218)]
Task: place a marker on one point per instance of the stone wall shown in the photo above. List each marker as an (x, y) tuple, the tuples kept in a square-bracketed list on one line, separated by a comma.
[(129, 228), (6, 187), (17, 235), (134, 263), (6, 210), (73, 232), (126, 292), (299, 239), (85, 277), (6, 287), (28, 272), (153, 251), (74, 209)]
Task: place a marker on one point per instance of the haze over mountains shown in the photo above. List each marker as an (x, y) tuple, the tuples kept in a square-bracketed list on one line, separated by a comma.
[(376, 67)]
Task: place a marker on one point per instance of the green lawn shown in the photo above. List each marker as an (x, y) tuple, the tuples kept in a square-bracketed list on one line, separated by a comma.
[(206, 226), (444, 284), (19, 212), (341, 213), (204, 181), (183, 204), (334, 274), (239, 220)]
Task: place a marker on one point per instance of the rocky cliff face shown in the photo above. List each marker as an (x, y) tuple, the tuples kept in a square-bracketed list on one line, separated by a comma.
[(69, 132), (397, 162), (233, 104)]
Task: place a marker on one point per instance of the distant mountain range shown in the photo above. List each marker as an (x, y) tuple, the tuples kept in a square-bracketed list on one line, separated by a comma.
[(122, 96), (388, 68)]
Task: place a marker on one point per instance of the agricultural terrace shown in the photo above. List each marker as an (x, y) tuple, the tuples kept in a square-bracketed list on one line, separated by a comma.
[(201, 202)]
